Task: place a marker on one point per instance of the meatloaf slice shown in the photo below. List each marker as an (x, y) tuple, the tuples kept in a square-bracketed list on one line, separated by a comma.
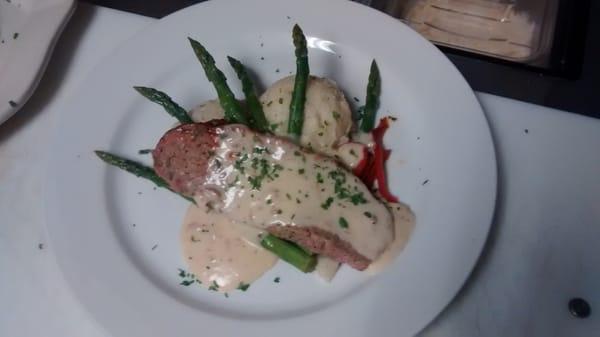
[(182, 158), (182, 155)]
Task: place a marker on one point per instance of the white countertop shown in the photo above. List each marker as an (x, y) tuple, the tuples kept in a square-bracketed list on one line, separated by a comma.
[(543, 250)]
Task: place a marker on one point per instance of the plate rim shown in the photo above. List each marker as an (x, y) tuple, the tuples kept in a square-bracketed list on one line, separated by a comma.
[(34, 71)]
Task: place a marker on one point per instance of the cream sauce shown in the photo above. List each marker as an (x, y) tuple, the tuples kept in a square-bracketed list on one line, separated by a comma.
[(326, 267), (220, 254), (262, 181), (365, 138), (351, 154), (404, 223)]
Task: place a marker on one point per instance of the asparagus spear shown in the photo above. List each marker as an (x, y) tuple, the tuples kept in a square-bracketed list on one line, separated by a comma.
[(257, 115), (137, 169), (372, 101), (163, 99), (290, 253), (299, 94), (233, 109)]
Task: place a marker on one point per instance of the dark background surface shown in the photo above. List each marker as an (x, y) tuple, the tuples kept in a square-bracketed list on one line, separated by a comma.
[(580, 93)]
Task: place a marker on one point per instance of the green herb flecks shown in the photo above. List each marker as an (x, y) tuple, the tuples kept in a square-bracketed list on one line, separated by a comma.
[(343, 191), (343, 222), (264, 170), (243, 286), (145, 151), (327, 203), (187, 279), (214, 286)]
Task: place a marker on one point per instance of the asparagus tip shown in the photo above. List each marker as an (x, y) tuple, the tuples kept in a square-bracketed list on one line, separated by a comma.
[(140, 89), (374, 67)]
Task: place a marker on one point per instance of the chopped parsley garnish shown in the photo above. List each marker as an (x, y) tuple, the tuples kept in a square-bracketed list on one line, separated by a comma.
[(238, 163), (260, 150), (15, 36), (327, 203), (368, 214), (319, 178), (188, 278), (274, 126), (358, 198), (342, 191), (243, 286), (265, 171), (335, 114), (280, 100), (214, 286), (269, 201), (301, 171), (276, 280), (343, 223), (353, 153), (288, 196), (255, 182)]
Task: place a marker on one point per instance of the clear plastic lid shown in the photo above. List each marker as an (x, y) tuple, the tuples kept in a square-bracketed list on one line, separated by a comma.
[(514, 30)]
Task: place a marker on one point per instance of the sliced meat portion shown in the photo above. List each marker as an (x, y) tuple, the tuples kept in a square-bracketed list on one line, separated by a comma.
[(322, 242), (267, 182), (182, 156)]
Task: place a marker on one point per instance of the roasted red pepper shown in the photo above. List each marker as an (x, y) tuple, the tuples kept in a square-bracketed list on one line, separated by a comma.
[(362, 164), (380, 156), (372, 167)]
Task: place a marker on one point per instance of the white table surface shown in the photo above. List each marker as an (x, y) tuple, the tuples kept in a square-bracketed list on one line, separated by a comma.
[(544, 247)]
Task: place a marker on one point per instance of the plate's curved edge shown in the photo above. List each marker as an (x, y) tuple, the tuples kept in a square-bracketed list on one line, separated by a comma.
[(495, 173), (481, 249), (37, 72)]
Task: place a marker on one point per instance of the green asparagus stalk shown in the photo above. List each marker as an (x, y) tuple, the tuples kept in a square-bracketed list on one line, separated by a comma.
[(290, 253), (296, 119), (167, 103), (372, 101), (137, 169), (233, 110), (258, 121)]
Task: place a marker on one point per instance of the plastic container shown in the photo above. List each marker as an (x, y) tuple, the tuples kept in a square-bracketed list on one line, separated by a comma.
[(520, 31)]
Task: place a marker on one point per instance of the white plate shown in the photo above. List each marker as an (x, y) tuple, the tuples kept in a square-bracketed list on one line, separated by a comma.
[(28, 31), (441, 137)]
